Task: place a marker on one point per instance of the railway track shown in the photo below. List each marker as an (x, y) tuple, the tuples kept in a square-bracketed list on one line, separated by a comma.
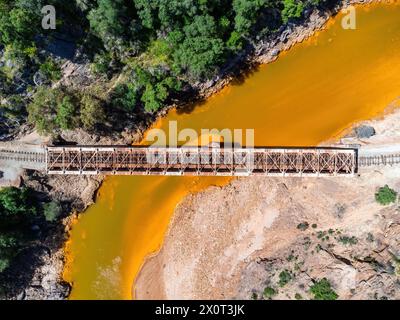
[(379, 160), (117, 160), (22, 156)]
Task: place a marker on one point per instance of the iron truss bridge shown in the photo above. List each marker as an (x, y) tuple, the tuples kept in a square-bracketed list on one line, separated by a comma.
[(200, 161)]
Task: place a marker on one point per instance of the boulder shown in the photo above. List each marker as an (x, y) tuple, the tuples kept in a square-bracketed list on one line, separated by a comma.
[(365, 132), (274, 52)]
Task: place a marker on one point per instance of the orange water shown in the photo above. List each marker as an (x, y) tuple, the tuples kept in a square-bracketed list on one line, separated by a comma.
[(309, 95)]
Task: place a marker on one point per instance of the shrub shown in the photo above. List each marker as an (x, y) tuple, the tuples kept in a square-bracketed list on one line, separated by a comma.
[(298, 296), (51, 70), (303, 226), (385, 195), (284, 278), (269, 292), (150, 100), (322, 290), (51, 211), (348, 240)]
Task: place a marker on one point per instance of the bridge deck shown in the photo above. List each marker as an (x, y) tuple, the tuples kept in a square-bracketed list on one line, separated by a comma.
[(201, 161)]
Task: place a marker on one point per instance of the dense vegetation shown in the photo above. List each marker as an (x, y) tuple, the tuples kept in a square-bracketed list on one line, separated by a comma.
[(19, 213), (160, 47)]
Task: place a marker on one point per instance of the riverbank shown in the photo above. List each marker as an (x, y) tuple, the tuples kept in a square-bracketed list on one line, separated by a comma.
[(68, 189), (233, 241)]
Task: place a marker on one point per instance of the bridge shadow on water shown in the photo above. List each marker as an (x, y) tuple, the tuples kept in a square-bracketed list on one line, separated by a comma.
[(238, 78)]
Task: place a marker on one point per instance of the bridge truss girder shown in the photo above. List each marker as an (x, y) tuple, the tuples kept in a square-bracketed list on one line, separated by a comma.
[(201, 161)]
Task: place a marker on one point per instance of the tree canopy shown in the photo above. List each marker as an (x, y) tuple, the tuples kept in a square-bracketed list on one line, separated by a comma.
[(184, 41), (17, 209)]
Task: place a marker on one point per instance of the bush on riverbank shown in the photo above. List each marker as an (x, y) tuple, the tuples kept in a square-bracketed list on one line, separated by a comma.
[(385, 195)]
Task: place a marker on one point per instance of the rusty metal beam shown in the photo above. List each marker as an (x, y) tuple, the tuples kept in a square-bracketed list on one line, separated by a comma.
[(201, 161)]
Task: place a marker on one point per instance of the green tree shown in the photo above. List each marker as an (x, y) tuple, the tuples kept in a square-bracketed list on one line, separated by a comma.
[(322, 290), (15, 204), (385, 195), (125, 96), (150, 99), (18, 21), (173, 13), (146, 12), (292, 9), (107, 21), (246, 12), (157, 92), (51, 211), (66, 111), (198, 50), (91, 112), (19, 31), (235, 41)]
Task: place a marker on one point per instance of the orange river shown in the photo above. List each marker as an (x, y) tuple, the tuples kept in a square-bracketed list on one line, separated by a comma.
[(312, 93)]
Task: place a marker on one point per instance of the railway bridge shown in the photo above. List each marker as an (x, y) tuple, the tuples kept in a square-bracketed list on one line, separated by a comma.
[(198, 161)]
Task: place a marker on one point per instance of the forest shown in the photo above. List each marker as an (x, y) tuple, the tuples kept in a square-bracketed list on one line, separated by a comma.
[(146, 54)]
